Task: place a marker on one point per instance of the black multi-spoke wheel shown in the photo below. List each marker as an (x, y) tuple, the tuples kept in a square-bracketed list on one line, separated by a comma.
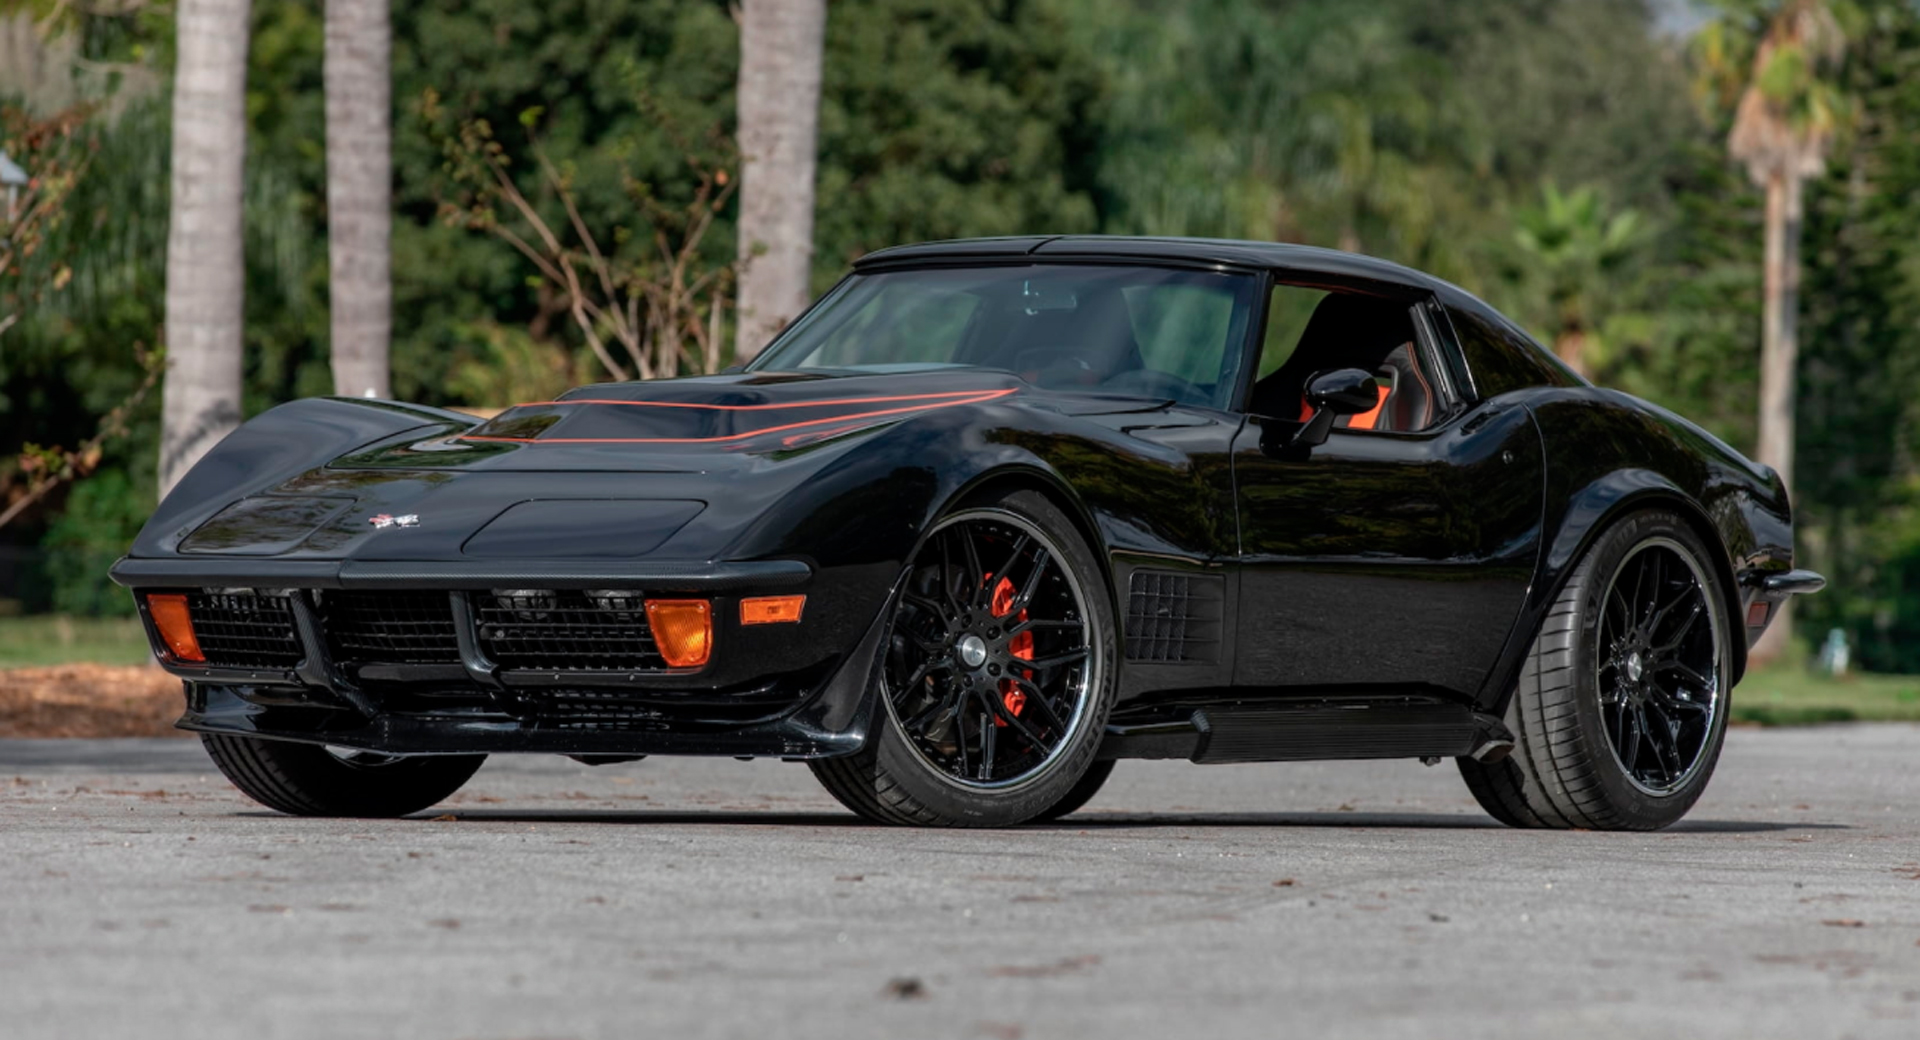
[(1621, 706), (1659, 676), (314, 780), (993, 684), (988, 664)]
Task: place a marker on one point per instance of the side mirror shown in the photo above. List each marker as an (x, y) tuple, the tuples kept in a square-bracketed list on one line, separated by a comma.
[(1341, 391)]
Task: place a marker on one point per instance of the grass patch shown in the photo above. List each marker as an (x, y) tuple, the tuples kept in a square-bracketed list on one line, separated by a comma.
[(1789, 695), (54, 639)]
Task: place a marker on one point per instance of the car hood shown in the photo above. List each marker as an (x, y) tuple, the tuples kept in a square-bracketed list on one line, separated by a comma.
[(688, 425), (671, 467)]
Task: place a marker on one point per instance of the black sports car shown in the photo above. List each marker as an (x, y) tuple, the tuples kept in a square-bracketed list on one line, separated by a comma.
[(991, 515)]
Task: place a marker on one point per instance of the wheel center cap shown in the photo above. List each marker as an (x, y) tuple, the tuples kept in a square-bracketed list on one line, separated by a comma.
[(972, 650), (1636, 666)]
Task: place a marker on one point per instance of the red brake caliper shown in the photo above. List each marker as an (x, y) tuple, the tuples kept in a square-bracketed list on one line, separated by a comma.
[(1011, 695)]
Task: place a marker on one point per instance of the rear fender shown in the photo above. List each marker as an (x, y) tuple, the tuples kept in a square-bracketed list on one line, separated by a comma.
[(1592, 510)]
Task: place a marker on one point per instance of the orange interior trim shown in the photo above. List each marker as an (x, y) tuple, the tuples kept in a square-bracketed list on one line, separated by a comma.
[(1363, 421), (1366, 420)]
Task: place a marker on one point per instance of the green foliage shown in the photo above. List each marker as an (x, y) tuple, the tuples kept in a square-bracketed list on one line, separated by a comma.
[(1789, 694), (1400, 128), (1573, 260), (944, 119), (1859, 404), (618, 90), (102, 515), (504, 364), (55, 639)]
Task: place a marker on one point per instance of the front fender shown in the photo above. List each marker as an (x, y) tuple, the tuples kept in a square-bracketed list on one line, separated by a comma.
[(272, 447)]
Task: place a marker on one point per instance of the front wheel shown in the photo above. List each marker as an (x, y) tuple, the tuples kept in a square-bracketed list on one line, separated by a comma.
[(312, 780), (1080, 794), (1621, 707), (996, 677)]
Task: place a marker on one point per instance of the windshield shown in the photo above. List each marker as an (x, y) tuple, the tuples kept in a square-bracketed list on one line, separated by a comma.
[(1140, 331)]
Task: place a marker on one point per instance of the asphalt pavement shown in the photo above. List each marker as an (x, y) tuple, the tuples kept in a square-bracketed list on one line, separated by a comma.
[(143, 897)]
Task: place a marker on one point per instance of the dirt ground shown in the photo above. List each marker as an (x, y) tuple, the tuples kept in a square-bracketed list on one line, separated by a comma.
[(88, 700)]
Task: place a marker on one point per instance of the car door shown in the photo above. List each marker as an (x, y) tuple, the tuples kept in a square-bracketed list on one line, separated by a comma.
[(1385, 560)]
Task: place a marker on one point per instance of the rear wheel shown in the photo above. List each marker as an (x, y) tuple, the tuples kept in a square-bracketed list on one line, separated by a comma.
[(1622, 703), (313, 780), (996, 678)]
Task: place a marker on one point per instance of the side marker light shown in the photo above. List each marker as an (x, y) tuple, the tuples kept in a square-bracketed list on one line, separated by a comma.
[(771, 610)]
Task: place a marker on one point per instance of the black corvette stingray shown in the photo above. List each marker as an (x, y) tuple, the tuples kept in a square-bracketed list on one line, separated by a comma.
[(988, 517)]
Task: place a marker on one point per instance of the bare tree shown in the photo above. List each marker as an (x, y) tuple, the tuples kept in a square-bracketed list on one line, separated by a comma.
[(651, 313), (779, 116), (41, 468), (1784, 124), (53, 155), (359, 85), (206, 274)]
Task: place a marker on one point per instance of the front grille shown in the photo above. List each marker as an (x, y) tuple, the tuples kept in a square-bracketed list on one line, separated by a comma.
[(390, 627), (552, 630), (244, 629)]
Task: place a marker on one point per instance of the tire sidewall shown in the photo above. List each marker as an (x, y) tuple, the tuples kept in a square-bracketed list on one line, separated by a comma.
[(898, 760), (1641, 808)]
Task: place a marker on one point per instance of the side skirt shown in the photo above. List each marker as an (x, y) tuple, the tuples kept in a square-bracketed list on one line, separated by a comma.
[(1318, 729)]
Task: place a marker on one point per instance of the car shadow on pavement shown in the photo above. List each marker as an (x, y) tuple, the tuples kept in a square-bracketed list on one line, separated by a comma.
[(1092, 821)]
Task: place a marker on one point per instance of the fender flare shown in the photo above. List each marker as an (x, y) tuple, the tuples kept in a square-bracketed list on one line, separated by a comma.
[(1033, 474), (1591, 511)]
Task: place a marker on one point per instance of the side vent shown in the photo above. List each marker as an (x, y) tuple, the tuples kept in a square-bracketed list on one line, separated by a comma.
[(1174, 618)]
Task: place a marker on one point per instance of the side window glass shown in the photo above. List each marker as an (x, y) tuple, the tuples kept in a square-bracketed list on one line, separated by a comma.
[(1502, 359), (1312, 330), (1288, 310)]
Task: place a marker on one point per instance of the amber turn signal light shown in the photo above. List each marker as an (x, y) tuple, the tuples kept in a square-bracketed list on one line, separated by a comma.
[(683, 630), (175, 625), (771, 610)]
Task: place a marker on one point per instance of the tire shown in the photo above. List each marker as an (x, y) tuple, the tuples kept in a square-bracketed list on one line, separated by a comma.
[(1621, 708), (934, 699), (1090, 784), (312, 780)]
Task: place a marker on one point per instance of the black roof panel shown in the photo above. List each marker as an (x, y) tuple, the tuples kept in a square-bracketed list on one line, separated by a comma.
[(1272, 255)]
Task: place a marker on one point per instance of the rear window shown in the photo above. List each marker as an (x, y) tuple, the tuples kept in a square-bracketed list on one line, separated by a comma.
[(1502, 358)]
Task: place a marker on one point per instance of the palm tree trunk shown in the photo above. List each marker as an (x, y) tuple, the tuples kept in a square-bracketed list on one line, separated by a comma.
[(1571, 347), (359, 86), (779, 112), (1779, 347), (206, 273)]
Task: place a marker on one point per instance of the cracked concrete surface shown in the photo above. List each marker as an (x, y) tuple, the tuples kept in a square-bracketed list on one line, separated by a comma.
[(681, 898)]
